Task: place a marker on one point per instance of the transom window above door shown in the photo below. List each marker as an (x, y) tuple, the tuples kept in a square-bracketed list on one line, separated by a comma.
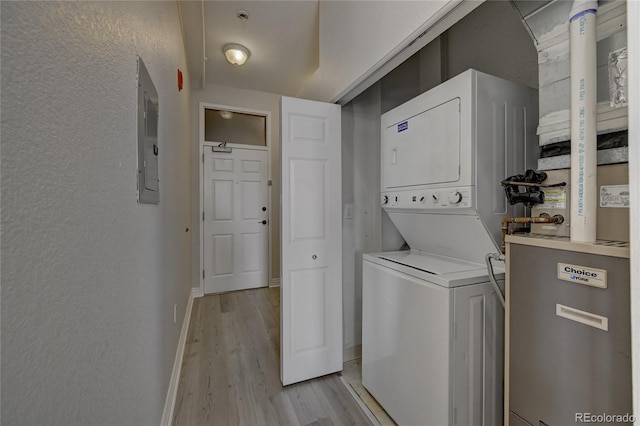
[(234, 127)]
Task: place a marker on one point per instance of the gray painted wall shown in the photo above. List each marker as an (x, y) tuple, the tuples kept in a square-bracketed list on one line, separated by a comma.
[(89, 276), (492, 39), (361, 188)]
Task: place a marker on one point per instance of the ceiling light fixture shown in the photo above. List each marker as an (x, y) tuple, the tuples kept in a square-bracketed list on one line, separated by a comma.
[(227, 115), (236, 54), (242, 15)]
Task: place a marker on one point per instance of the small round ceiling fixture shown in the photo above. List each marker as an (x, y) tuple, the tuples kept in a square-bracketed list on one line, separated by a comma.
[(242, 15), (236, 54), (227, 115)]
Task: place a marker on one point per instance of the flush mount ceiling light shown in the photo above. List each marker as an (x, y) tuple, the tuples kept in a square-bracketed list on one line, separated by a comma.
[(227, 115), (242, 15), (236, 54)]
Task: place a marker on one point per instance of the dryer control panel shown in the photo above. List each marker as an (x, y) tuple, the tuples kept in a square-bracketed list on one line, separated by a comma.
[(445, 198)]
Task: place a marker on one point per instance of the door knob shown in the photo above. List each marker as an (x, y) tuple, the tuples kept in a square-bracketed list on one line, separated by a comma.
[(264, 222)]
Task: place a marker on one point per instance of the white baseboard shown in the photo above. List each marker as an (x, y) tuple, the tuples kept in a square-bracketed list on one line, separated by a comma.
[(197, 292), (172, 392), (275, 282), (351, 353)]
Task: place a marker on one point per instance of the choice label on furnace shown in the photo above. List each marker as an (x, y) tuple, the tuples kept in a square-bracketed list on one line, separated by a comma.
[(582, 275)]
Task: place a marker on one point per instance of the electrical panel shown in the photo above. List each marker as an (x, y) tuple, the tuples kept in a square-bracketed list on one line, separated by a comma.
[(148, 182)]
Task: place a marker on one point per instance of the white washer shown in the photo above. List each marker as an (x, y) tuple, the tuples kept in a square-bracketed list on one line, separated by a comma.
[(432, 333), (432, 339)]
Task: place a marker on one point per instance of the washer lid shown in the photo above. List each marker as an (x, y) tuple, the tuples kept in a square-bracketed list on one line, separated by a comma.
[(432, 268), (459, 236), (430, 263)]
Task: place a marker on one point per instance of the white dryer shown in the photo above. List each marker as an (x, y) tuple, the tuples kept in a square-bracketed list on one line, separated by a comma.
[(432, 328)]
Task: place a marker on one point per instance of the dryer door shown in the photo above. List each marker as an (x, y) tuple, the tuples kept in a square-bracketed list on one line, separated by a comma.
[(424, 149)]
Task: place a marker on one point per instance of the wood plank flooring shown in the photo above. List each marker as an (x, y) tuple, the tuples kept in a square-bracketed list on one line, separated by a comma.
[(231, 370)]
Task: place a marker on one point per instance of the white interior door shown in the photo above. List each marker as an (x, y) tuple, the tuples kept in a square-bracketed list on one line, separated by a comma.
[(235, 219), (311, 253)]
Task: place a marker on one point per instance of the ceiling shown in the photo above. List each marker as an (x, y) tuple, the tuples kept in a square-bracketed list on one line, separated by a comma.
[(282, 37)]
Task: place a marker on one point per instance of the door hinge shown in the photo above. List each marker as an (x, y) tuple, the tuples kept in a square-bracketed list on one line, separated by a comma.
[(203, 216), (203, 274), (203, 157)]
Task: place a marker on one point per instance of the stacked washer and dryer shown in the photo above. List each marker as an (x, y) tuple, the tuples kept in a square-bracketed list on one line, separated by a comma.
[(432, 332)]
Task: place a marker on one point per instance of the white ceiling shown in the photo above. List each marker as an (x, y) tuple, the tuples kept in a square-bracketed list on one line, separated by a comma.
[(282, 37)]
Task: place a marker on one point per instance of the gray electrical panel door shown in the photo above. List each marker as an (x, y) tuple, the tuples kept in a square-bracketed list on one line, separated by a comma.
[(563, 369), (148, 182)]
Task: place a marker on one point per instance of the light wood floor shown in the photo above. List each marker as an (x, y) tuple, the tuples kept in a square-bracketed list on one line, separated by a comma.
[(231, 370)]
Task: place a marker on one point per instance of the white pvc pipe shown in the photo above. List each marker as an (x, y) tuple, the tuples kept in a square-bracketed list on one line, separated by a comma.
[(584, 191)]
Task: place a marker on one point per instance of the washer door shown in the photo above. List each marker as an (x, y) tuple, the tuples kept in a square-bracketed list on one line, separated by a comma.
[(406, 345)]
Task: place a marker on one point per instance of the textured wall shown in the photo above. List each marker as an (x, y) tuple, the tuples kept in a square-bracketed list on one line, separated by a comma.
[(89, 276), (239, 98)]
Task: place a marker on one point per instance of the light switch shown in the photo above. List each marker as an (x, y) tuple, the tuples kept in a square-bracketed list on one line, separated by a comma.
[(348, 211)]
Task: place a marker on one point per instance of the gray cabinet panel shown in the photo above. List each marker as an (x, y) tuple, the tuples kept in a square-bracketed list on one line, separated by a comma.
[(148, 147), (560, 367)]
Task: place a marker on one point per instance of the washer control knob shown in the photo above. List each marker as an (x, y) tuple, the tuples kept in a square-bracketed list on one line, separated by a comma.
[(385, 199), (455, 197)]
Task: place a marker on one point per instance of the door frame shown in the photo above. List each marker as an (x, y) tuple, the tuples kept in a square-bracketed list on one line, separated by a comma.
[(202, 144)]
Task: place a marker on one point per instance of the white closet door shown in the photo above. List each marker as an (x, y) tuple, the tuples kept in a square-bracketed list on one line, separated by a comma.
[(311, 288)]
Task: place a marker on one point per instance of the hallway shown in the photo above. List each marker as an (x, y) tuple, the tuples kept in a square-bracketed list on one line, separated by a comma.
[(230, 372)]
